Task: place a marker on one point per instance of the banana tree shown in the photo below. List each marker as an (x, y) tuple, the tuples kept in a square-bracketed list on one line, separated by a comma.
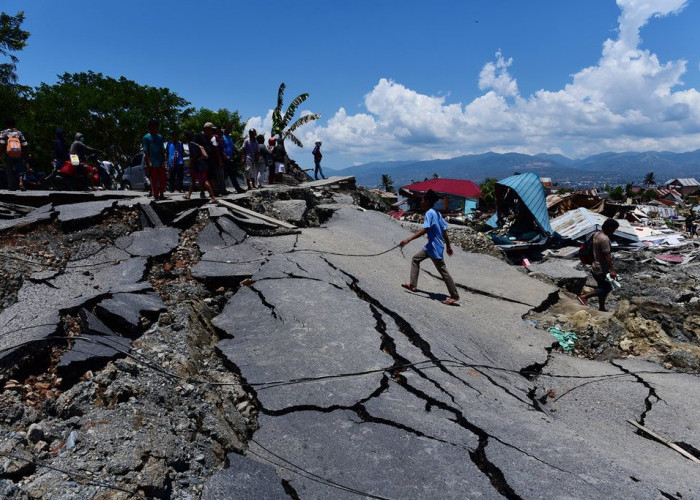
[(280, 122)]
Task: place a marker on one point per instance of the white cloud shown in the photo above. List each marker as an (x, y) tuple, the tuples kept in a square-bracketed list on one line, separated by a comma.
[(628, 101)]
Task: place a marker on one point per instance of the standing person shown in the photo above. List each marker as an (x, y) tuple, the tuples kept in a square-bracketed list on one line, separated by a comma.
[(317, 160), (436, 229), (198, 164), (279, 158), (13, 146), (690, 224), (153, 150), (263, 160), (218, 180), (250, 158), (175, 153), (271, 163), (229, 151), (60, 149), (602, 264)]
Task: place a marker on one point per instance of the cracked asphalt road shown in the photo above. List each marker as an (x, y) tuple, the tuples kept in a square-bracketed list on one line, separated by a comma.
[(366, 389)]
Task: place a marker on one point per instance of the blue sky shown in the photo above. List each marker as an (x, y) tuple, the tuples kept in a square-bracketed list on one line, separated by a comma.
[(409, 79)]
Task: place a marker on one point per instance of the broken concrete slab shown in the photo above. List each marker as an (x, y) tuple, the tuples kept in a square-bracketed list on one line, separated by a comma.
[(148, 216), (293, 211), (79, 215), (228, 264), (42, 214), (268, 337), (123, 311), (91, 352), (353, 457), (220, 234), (150, 242), (244, 479), (185, 218), (562, 273)]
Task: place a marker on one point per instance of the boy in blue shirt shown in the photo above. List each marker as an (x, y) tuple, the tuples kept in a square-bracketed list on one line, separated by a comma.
[(436, 229)]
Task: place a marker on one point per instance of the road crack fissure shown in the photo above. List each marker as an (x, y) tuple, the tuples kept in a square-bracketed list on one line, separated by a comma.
[(651, 395)]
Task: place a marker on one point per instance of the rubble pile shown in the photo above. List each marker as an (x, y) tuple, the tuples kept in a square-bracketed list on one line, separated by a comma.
[(655, 313)]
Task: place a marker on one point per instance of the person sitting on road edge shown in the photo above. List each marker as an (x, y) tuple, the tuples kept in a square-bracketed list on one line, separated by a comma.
[(436, 229), (602, 264)]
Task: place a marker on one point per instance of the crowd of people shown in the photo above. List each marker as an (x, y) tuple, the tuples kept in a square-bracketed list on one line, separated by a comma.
[(214, 159)]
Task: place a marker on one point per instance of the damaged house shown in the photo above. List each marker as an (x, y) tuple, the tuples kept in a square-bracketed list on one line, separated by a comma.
[(456, 195), (521, 214)]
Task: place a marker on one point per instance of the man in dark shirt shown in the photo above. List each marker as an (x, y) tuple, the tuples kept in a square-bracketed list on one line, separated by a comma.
[(602, 264)]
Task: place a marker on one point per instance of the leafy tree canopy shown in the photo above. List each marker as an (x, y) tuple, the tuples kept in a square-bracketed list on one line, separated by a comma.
[(112, 113), (195, 122), (12, 39), (13, 97), (488, 191)]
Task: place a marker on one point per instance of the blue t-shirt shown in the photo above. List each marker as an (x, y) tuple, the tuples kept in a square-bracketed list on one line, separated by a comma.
[(175, 153), (154, 145), (435, 225)]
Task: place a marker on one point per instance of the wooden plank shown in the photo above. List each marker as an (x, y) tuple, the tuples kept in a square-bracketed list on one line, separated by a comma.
[(256, 215), (665, 441)]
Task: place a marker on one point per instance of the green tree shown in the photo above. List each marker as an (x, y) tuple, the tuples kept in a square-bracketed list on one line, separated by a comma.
[(649, 179), (112, 114), (280, 122), (196, 120), (616, 193), (13, 97), (387, 183), (436, 175), (488, 191), (649, 195)]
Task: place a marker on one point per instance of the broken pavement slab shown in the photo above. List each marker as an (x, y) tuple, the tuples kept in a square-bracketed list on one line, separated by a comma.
[(123, 311), (150, 242), (78, 215)]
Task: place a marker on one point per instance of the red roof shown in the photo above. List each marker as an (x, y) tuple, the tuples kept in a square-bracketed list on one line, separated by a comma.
[(456, 187)]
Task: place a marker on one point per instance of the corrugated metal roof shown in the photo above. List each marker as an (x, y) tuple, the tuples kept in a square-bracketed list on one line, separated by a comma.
[(686, 182), (530, 190), (456, 187), (580, 222)]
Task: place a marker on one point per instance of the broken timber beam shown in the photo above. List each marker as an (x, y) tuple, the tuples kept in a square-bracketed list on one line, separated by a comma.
[(250, 213), (665, 441)]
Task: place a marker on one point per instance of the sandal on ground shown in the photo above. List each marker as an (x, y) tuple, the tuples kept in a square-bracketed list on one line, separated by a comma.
[(450, 302), (408, 286)]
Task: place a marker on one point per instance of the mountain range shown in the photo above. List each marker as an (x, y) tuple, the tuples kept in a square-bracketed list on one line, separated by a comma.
[(593, 171)]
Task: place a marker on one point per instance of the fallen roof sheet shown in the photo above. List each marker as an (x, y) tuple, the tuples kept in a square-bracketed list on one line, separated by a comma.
[(529, 188), (581, 222)]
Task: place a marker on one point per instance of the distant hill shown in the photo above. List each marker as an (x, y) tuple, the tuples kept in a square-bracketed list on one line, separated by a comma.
[(596, 170)]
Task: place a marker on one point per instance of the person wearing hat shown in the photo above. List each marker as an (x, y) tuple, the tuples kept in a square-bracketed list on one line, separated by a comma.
[(436, 229), (317, 160)]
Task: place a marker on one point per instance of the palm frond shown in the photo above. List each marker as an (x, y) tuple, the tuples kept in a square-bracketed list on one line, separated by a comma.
[(294, 139), (293, 108), (302, 121), (277, 125)]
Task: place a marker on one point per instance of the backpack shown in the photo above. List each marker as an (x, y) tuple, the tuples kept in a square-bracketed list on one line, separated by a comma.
[(585, 252), (14, 147)]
